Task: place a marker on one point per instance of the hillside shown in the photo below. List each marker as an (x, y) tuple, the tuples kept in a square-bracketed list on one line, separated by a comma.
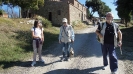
[(15, 40)]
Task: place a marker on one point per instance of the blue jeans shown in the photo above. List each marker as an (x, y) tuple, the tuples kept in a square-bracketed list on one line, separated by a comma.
[(66, 48), (110, 49)]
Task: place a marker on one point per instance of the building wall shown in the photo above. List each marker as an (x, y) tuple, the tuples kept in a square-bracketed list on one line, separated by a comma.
[(5, 15), (58, 11), (77, 12), (70, 9)]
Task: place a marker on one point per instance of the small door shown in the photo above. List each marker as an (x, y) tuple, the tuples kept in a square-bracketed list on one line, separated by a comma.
[(50, 16)]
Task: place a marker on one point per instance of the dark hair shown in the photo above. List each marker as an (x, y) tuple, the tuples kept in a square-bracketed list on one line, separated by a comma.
[(36, 22)]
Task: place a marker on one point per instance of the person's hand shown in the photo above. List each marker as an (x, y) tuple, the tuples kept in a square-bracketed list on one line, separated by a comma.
[(119, 43), (100, 36), (42, 40)]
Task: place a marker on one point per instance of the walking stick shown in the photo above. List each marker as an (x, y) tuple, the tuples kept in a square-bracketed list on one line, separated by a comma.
[(120, 50)]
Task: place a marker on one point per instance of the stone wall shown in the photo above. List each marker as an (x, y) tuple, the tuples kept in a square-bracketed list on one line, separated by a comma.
[(58, 9), (77, 12), (55, 10)]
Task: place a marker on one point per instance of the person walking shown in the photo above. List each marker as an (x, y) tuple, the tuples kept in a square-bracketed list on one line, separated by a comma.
[(108, 33), (66, 37), (38, 39)]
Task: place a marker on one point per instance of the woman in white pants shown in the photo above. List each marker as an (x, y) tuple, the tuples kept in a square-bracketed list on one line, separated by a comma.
[(38, 38)]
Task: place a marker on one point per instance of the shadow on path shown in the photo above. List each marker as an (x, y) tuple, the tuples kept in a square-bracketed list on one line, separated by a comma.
[(75, 71)]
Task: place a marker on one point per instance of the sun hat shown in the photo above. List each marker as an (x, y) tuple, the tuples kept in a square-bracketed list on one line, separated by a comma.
[(64, 20)]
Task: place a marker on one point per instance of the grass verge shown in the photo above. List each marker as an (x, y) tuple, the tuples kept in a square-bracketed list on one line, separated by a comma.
[(127, 48), (16, 41)]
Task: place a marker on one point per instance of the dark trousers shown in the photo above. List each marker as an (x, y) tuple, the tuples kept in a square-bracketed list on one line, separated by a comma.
[(109, 49)]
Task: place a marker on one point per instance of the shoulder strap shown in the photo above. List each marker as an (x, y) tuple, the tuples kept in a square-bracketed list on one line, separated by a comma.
[(101, 26), (70, 27), (34, 29), (65, 31)]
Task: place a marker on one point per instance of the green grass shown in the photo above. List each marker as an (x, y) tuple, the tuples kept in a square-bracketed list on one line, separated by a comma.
[(127, 38), (16, 41)]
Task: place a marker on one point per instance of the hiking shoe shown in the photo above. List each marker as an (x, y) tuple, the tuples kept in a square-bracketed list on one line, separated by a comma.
[(41, 61), (104, 67), (62, 59), (33, 63), (68, 59)]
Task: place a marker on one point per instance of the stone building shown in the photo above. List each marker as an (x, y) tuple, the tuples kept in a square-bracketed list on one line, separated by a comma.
[(55, 10)]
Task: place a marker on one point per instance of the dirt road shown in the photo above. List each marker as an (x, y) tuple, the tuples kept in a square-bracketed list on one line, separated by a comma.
[(87, 60)]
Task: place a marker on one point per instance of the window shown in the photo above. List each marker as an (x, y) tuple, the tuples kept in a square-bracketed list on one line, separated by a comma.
[(59, 12)]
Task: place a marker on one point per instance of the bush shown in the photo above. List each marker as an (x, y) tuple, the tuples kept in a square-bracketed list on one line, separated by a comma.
[(78, 24), (46, 23), (1, 12)]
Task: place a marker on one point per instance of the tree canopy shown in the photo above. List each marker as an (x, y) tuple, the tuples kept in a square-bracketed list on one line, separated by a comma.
[(125, 9), (103, 10), (25, 4), (97, 6)]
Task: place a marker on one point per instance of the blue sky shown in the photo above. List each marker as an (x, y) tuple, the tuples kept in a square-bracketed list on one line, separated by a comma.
[(108, 3)]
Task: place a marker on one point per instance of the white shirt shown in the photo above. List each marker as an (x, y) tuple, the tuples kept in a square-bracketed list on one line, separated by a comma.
[(37, 31)]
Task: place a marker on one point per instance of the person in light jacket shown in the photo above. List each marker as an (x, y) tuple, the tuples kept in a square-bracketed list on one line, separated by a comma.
[(66, 37)]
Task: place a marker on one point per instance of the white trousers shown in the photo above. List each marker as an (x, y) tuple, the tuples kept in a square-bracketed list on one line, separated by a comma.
[(35, 51)]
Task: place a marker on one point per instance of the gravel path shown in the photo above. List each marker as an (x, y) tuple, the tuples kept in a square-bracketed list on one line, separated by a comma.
[(87, 60)]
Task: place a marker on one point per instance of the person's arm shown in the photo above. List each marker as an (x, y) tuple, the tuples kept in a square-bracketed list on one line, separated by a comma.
[(60, 35), (73, 35), (42, 35), (120, 38), (98, 31)]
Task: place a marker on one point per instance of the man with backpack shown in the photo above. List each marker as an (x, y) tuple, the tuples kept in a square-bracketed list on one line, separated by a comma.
[(110, 37), (66, 37)]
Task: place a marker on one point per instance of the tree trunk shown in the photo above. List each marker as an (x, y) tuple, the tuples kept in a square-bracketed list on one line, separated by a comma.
[(126, 25), (27, 13)]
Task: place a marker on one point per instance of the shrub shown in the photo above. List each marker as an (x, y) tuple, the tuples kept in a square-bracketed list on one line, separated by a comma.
[(1, 12), (46, 23), (78, 24)]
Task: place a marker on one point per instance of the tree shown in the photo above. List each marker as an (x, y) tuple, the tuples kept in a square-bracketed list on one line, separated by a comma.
[(97, 6), (26, 5), (88, 13), (94, 5), (124, 8), (103, 10)]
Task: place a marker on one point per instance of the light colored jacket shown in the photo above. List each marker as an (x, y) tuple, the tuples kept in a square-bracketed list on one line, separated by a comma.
[(66, 34), (115, 25)]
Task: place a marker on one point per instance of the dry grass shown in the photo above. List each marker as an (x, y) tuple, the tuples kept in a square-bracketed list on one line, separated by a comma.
[(16, 40), (78, 25)]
